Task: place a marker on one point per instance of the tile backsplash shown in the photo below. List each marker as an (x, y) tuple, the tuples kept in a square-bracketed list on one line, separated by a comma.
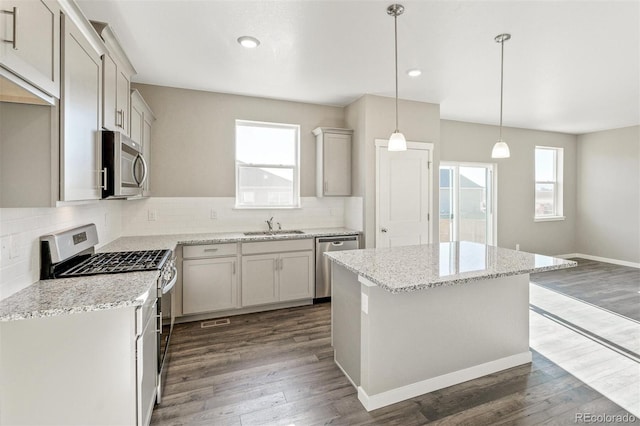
[(155, 215), (20, 229)]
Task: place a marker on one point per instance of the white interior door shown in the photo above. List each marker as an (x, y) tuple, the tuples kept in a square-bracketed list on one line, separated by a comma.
[(403, 194), (467, 202)]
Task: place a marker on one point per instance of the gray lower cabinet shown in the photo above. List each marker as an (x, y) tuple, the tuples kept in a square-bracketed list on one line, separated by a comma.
[(209, 278), (277, 271), (259, 279), (88, 368)]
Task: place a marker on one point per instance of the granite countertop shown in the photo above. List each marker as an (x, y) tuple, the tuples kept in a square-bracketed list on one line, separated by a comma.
[(411, 268), (98, 292), (170, 242), (47, 298)]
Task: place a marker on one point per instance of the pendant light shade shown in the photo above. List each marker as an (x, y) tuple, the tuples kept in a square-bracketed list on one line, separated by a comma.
[(397, 142), (501, 149)]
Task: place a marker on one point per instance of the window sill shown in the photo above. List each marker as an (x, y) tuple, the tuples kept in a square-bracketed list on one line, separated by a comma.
[(548, 218)]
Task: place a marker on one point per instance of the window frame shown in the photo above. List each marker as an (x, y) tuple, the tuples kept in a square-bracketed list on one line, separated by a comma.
[(557, 182), (295, 168)]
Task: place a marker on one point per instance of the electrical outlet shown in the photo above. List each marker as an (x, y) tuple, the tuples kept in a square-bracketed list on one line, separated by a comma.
[(152, 215), (214, 214)]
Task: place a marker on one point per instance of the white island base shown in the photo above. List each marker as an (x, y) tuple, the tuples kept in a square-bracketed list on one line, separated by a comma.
[(395, 346)]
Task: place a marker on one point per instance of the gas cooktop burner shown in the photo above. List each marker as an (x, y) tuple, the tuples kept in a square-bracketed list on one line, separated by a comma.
[(118, 262)]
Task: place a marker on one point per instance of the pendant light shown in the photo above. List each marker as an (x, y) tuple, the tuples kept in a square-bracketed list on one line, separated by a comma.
[(501, 149), (397, 142)]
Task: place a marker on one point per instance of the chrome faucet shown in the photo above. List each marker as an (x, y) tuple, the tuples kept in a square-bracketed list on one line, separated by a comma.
[(270, 223)]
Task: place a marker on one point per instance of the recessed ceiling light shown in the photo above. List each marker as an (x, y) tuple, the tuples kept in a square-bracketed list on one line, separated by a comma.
[(414, 73), (248, 42)]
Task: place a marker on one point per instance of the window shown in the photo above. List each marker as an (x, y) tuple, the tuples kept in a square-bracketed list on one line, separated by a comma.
[(548, 186), (267, 158)]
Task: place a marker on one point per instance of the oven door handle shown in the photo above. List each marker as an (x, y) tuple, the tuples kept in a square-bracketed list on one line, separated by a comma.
[(167, 287)]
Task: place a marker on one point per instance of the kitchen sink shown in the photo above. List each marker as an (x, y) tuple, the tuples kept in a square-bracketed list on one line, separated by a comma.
[(280, 232)]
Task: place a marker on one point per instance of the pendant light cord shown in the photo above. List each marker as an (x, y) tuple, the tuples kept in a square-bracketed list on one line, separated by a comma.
[(395, 27), (501, 81)]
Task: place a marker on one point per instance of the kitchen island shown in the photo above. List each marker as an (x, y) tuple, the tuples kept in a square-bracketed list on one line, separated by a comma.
[(414, 319)]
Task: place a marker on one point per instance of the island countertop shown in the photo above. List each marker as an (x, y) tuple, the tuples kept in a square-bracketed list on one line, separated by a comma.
[(411, 268)]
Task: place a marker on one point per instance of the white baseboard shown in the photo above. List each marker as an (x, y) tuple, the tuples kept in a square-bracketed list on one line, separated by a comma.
[(600, 259), (343, 371), (373, 402)]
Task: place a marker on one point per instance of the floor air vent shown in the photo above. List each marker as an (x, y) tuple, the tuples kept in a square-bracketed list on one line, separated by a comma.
[(215, 323)]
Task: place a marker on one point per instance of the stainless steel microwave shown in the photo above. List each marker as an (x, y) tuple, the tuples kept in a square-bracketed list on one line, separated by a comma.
[(125, 169)]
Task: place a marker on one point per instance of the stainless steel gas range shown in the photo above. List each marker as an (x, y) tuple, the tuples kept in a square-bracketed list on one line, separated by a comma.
[(71, 253)]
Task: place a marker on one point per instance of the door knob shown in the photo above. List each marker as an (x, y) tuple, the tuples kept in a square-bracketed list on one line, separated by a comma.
[(383, 230)]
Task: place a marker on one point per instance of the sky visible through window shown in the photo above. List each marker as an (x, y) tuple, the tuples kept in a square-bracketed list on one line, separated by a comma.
[(266, 145), (545, 165)]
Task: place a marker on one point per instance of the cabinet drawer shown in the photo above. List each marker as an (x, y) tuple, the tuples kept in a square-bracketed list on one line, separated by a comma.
[(209, 250), (277, 246)]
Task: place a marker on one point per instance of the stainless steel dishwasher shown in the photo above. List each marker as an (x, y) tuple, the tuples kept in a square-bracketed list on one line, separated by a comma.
[(323, 265)]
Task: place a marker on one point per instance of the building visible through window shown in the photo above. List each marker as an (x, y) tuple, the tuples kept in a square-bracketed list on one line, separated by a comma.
[(548, 182), (267, 164)]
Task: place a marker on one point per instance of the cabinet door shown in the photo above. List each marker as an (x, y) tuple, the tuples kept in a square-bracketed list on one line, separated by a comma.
[(147, 369), (109, 82), (146, 152), (30, 42), (137, 119), (80, 118), (259, 284), (296, 275), (209, 285), (122, 102), (337, 164)]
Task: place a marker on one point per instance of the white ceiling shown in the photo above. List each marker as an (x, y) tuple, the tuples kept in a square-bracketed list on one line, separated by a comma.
[(570, 66)]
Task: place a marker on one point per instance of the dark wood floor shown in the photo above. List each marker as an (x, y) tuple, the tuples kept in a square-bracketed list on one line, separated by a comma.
[(277, 368), (609, 286)]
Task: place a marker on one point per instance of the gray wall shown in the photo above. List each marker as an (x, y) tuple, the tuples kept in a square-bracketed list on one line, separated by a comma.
[(473, 142), (194, 138), (608, 194), (373, 117), (28, 155)]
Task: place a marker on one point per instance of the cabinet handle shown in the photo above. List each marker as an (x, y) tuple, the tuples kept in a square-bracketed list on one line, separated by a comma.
[(14, 12), (104, 179), (326, 186), (120, 113), (210, 250), (234, 267)]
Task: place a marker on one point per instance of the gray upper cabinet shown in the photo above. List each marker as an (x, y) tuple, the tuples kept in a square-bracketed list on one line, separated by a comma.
[(333, 161), (29, 51), (142, 119), (80, 117), (109, 91), (116, 82)]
